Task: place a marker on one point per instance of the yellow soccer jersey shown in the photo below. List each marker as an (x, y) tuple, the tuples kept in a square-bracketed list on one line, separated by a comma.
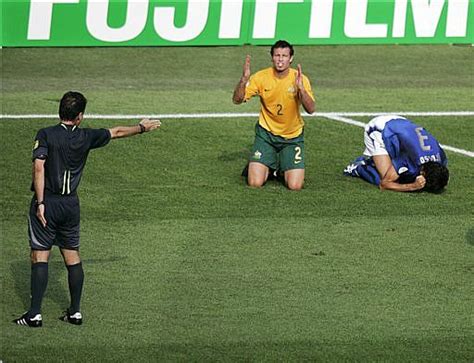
[(280, 106)]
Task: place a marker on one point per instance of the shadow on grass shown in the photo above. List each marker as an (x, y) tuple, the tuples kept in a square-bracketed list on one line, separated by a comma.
[(470, 236), (234, 155), (57, 289), (54, 100), (21, 272)]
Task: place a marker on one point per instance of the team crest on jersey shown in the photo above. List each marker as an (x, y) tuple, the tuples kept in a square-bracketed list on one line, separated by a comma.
[(291, 89), (36, 145), (257, 155)]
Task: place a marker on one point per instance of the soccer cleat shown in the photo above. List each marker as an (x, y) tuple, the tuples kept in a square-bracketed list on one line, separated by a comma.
[(245, 172), (351, 169), (33, 322), (273, 174), (75, 318)]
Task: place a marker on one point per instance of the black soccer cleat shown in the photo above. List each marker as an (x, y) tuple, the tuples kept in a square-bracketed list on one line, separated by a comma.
[(33, 322), (245, 172), (273, 174), (75, 318)]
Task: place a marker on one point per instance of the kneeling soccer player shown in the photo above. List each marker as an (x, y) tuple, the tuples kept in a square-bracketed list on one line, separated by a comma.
[(400, 156), (279, 136)]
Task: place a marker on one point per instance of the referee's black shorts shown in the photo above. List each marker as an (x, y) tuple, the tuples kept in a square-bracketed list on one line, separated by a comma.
[(63, 221)]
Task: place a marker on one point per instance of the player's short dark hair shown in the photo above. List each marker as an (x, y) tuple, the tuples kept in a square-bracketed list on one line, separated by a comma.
[(436, 176), (282, 44), (71, 105)]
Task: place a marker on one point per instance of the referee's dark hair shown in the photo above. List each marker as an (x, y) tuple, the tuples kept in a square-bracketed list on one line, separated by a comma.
[(71, 105), (282, 44)]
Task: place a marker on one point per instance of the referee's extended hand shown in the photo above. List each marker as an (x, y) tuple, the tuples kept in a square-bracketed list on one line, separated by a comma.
[(150, 124), (40, 214)]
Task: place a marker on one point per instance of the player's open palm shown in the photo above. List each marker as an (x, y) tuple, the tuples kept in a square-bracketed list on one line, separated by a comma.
[(299, 78)]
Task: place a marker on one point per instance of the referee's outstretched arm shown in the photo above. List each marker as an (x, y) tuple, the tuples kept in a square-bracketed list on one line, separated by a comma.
[(145, 125)]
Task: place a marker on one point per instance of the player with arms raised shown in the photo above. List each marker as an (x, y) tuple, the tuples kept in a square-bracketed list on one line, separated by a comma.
[(279, 139)]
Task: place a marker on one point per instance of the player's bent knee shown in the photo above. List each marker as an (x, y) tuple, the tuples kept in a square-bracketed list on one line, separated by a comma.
[(294, 179), (255, 182), (295, 185), (257, 176)]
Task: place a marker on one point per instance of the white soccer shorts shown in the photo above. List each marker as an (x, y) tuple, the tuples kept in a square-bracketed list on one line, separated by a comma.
[(373, 140)]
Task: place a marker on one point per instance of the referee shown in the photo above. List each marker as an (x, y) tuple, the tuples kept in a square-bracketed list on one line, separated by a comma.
[(59, 156)]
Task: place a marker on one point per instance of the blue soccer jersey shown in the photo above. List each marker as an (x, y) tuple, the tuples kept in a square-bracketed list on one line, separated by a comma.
[(409, 147)]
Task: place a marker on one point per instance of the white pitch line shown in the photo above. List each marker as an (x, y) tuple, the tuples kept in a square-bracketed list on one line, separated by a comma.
[(345, 120), (402, 113), (237, 115), (361, 124), (457, 150), (336, 116)]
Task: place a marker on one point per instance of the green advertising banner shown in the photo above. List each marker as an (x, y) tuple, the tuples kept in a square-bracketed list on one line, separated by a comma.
[(32, 23)]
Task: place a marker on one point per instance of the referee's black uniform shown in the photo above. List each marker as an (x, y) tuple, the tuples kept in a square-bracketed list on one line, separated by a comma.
[(65, 149), (59, 157)]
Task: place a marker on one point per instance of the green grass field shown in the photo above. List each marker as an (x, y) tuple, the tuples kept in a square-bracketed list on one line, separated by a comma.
[(183, 262)]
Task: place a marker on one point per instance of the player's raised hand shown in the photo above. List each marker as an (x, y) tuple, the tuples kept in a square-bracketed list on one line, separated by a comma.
[(150, 124), (246, 71), (299, 78)]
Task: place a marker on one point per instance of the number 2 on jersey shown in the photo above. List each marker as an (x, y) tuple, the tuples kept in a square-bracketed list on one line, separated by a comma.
[(298, 157), (279, 109)]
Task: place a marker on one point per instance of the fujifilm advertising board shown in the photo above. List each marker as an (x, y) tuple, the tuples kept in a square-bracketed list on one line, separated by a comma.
[(32, 23)]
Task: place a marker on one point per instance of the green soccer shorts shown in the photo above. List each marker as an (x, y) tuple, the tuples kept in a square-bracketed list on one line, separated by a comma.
[(276, 152)]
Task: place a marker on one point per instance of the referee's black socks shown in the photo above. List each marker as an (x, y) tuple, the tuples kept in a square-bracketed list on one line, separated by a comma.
[(39, 281), (75, 280)]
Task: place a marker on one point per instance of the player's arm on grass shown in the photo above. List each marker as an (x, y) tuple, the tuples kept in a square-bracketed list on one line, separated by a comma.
[(145, 125), (239, 91), (38, 185), (389, 177), (304, 97)]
